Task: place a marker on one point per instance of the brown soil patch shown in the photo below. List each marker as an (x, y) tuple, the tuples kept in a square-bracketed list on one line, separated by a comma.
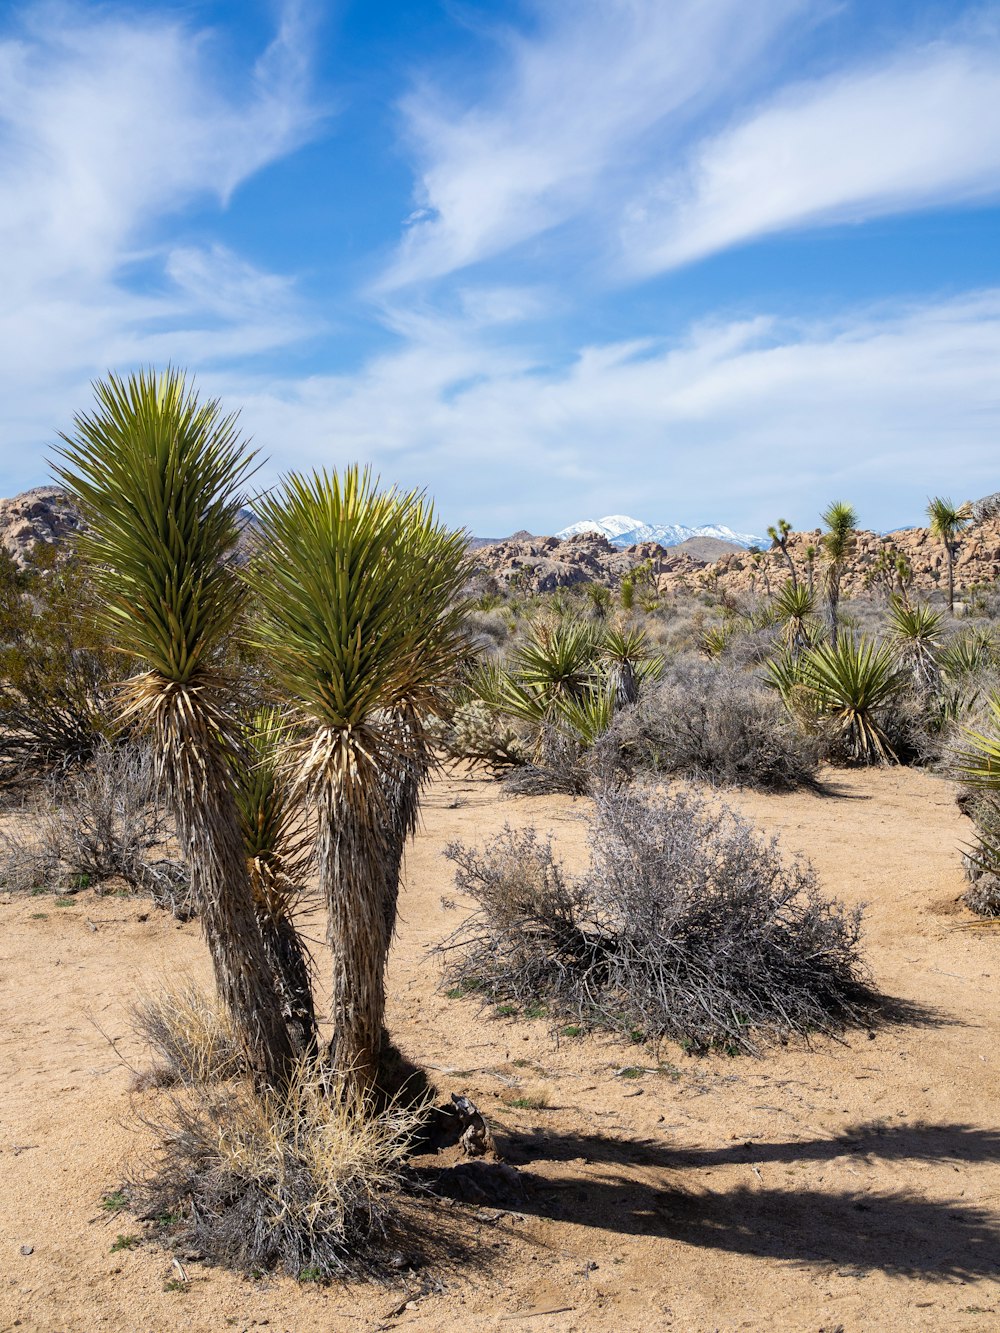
[(852, 1185)]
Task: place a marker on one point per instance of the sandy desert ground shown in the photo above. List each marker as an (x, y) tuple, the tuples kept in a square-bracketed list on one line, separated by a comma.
[(848, 1186)]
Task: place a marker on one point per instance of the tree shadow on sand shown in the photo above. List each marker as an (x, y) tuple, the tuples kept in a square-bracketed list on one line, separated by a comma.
[(897, 1232)]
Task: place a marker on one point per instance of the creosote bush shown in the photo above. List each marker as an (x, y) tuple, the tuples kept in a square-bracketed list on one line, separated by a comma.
[(689, 924), (707, 722), (306, 1181)]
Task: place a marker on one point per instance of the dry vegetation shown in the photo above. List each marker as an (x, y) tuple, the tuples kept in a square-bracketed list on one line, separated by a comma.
[(263, 769)]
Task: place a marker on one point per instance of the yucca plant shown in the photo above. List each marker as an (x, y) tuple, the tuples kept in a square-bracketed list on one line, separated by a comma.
[(279, 852), (850, 683), (976, 762), (947, 521), (159, 477), (361, 621), (794, 605), (786, 672), (838, 546), (557, 659), (581, 716), (968, 654), (915, 632), (628, 659), (714, 640)]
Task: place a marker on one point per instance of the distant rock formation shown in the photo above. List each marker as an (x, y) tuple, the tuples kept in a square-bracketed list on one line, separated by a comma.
[(44, 516), (538, 564)]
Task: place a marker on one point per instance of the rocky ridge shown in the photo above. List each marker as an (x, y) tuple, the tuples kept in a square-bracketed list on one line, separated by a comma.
[(46, 516), (43, 516), (539, 564)]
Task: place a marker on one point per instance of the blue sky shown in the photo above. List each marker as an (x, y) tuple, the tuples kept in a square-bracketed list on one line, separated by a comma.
[(692, 260)]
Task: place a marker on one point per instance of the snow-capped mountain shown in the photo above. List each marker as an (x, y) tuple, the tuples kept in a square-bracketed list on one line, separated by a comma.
[(621, 530)]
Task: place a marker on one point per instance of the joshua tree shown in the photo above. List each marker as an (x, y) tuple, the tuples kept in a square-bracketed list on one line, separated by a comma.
[(811, 554), (278, 852), (947, 522), (838, 544), (159, 478), (779, 542), (359, 615)]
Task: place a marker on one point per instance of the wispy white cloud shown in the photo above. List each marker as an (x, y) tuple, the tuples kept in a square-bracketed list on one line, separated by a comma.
[(919, 131), (762, 415), (568, 110), (111, 124)]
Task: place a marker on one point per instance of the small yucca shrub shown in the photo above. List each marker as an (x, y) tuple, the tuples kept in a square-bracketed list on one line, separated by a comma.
[(849, 686)]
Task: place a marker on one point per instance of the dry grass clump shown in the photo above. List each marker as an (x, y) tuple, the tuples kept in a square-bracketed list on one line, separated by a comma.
[(688, 924), (191, 1033), (306, 1182), (715, 724)]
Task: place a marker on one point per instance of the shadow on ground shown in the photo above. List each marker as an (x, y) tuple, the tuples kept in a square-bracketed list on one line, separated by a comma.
[(892, 1232)]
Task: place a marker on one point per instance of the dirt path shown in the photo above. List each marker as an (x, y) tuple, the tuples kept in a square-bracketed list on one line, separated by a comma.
[(853, 1186)]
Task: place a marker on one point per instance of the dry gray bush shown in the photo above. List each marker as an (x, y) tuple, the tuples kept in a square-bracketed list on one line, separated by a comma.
[(708, 722), (689, 924), (93, 825), (306, 1182)]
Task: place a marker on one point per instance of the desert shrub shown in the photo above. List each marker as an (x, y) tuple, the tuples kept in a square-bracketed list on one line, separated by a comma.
[(55, 670), (849, 689), (306, 1182), (559, 692), (688, 924), (487, 627), (93, 825), (473, 731), (717, 725), (974, 760)]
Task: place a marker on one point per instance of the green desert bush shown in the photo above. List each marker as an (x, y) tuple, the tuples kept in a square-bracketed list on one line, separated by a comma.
[(974, 760), (850, 687), (56, 671), (561, 688), (689, 924), (712, 723)]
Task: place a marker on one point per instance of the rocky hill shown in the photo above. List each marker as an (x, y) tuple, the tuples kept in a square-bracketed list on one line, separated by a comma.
[(46, 515), (42, 516), (542, 563)]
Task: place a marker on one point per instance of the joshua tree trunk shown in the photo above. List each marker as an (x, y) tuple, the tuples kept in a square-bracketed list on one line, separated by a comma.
[(209, 830), (949, 552), (626, 683), (361, 853), (290, 967), (352, 874), (833, 601)]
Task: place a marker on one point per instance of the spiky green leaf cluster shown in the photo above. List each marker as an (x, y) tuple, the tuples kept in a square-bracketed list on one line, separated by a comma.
[(848, 685), (358, 590), (159, 476), (978, 760), (915, 625)]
